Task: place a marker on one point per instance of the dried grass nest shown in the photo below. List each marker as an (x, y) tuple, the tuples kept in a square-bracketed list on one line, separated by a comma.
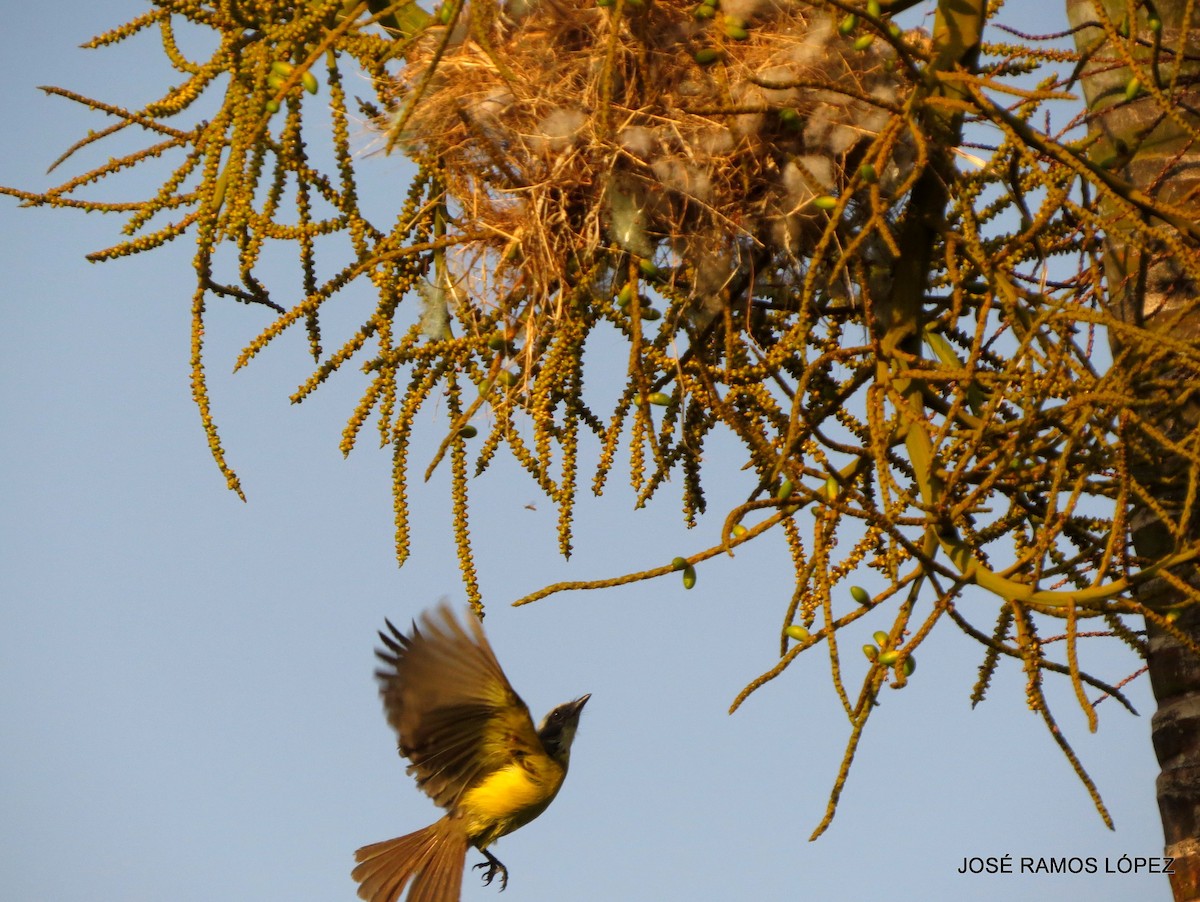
[(701, 140)]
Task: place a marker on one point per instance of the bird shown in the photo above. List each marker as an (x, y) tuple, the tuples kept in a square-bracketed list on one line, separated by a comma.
[(473, 749)]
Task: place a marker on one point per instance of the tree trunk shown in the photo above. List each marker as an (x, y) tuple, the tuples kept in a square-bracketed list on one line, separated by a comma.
[(1147, 286)]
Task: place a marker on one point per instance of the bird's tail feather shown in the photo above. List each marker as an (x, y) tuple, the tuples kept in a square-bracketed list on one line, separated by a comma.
[(431, 859)]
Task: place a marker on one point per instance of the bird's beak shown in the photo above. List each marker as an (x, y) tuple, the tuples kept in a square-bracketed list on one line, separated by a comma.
[(577, 705)]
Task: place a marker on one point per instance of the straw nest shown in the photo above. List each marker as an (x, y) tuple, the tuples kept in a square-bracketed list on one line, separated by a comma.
[(705, 144)]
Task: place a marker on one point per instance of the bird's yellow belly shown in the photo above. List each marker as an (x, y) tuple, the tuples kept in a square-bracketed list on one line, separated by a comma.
[(507, 799)]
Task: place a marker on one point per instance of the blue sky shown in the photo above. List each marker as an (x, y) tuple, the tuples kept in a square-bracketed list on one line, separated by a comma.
[(185, 680)]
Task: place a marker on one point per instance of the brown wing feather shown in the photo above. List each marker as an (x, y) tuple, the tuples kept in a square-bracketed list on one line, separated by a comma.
[(456, 715)]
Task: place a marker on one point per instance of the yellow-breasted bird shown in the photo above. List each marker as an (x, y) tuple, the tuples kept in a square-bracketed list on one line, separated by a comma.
[(473, 749)]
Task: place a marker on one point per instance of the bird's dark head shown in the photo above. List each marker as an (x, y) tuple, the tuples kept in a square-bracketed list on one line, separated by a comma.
[(557, 731)]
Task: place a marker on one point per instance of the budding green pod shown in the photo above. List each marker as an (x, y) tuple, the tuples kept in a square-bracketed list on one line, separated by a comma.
[(649, 270), (662, 399), (873, 8), (507, 379), (894, 30), (497, 342), (859, 594), (604, 2), (275, 80), (689, 576), (445, 11), (706, 55), (739, 530), (848, 24), (790, 117), (831, 488), (1155, 24), (281, 68), (736, 32), (909, 666), (468, 431), (678, 563), (825, 202), (889, 657), (625, 296), (868, 174), (703, 11), (881, 638), (272, 105), (796, 632), (785, 490), (871, 652), (309, 81), (1132, 88), (863, 41)]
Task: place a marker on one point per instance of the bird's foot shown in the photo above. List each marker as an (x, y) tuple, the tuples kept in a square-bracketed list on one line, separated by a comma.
[(494, 867)]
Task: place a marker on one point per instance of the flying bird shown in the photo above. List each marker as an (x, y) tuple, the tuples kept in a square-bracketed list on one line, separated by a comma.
[(472, 748)]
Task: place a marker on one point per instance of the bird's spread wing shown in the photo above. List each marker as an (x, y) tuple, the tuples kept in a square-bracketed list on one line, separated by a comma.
[(455, 712)]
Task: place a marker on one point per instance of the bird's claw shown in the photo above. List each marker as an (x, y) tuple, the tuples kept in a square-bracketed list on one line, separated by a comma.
[(494, 867)]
